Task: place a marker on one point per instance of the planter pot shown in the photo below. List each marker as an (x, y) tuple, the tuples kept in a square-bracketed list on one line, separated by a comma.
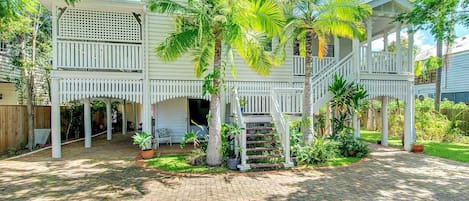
[(294, 161), (417, 148), (352, 153), (378, 142), (147, 154), (232, 163)]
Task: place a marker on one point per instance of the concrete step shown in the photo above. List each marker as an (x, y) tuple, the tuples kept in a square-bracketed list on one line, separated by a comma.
[(260, 135), (260, 142), (266, 165), (251, 157), (262, 149)]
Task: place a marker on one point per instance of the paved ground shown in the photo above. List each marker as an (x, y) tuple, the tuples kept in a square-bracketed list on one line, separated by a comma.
[(389, 174)]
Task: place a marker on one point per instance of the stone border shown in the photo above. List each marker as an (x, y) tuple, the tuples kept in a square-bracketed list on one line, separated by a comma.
[(139, 161)]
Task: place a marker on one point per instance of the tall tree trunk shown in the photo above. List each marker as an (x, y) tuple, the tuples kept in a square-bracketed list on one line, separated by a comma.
[(214, 156), (307, 123), (439, 54), (371, 122)]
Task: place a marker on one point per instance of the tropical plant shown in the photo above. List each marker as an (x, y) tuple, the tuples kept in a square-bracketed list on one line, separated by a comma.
[(310, 19), (319, 152), (190, 136), (203, 28), (143, 140), (197, 157), (347, 100), (351, 147), (229, 132), (440, 18)]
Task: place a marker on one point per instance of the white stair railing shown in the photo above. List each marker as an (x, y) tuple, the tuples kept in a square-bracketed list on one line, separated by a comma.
[(240, 140), (321, 83), (281, 125)]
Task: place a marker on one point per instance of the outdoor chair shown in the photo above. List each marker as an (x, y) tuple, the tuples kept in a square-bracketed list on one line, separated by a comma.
[(162, 134)]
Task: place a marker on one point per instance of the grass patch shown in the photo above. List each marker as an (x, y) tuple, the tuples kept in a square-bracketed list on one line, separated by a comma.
[(373, 136), (177, 163), (453, 151), (339, 161)]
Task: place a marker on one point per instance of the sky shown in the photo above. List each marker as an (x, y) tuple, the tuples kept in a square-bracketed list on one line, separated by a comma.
[(423, 39)]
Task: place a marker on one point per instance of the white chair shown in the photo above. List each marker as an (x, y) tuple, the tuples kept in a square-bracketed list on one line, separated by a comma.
[(162, 134), (41, 136)]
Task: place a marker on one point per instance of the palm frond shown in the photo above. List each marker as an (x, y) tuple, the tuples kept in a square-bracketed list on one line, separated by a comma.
[(251, 49), (168, 7), (176, 44), (203, 57)]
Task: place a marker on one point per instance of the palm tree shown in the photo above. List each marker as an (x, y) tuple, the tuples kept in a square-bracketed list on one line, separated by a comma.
[(320, 19), (203, 27)]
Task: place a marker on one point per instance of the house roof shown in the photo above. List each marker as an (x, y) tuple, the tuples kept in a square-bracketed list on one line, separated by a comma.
[(376, 3), (460, 45)]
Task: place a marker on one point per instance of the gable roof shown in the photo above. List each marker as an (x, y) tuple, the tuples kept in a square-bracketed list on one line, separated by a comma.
[(376, 3)]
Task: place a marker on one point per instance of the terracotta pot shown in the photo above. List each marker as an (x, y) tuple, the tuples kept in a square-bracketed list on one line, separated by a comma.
[(147, 154), (417, 148)]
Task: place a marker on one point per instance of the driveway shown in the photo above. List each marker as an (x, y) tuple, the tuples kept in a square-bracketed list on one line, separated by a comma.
[(108, 172)]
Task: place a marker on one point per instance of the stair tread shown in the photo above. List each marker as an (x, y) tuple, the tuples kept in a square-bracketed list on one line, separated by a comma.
[(262, 149), (260, 128), (266, 165), (264, 156), (260, 141), (259, 135)]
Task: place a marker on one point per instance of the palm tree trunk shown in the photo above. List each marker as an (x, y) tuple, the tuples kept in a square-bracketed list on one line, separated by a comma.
[(307, 123), (439, 54), (214, 156)]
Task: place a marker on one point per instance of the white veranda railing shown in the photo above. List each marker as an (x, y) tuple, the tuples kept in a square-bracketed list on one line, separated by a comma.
[(382, 62), (318, 65), (240, 140), (99, 55)]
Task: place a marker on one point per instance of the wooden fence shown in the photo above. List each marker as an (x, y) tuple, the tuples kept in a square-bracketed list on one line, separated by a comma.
[(14, 124)]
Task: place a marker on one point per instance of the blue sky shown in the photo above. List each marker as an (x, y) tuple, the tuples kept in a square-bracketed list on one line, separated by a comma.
[(428, 39)]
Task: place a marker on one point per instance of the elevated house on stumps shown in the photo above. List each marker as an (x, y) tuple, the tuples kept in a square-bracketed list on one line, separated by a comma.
[(105, 50)]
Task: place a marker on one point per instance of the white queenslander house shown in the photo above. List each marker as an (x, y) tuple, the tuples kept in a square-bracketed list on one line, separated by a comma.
[(105, 50)]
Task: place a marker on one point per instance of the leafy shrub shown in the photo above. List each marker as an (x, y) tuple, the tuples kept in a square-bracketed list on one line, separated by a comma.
[(197, 157), (319, 152), (349, 146)]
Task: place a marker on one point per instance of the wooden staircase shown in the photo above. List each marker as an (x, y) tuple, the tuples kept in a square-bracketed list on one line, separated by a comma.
[(262, 149)]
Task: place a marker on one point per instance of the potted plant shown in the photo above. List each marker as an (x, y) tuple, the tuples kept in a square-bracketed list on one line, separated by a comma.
[(143, 140), (417, 148), (231, 132), (242, 103)]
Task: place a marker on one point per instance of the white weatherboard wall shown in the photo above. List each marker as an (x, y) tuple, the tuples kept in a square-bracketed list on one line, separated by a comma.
[(8, 93), (172, 114), (159, 26)]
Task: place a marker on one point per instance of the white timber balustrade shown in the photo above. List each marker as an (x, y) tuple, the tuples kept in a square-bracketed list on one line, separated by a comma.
[(281, 125), (240, 140), (321, 83), (289, 100), (99, 56), (382, 62), (318, 65)]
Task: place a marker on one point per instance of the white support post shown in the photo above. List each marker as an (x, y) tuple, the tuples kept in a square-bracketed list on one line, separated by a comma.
[(356, 126), (408, 139), (86, 104), (369, 59), (55, 119), (146, 87), (385, 41), (356, 57), (398, 48), (336, 48), (134, 109), (410, 53), (109, 118), (384, 123), (124, 117), (153, 109)]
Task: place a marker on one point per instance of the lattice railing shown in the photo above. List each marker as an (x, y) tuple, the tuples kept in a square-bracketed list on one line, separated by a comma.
[(81, 24), (98, 55)]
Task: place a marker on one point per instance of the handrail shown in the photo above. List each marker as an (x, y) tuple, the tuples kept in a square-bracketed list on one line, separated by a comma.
[(318, 65), (240, 140), (283, 128)]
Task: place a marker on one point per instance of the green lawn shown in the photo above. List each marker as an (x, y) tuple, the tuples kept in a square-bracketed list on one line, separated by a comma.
[(373, 136), (453, 151), (177, 163)]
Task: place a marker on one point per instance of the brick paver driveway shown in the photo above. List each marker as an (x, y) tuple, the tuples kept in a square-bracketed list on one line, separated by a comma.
[(107, 172)]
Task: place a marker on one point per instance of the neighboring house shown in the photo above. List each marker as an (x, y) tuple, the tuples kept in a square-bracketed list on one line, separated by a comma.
[(8, 74), (454, 77), (104, 50)]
